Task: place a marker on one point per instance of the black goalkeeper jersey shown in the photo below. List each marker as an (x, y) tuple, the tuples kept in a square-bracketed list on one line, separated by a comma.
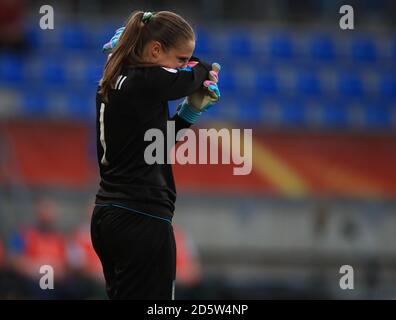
[(138, 103)]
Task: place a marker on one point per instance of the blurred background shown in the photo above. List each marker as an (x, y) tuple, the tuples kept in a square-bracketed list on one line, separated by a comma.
[(322, 105)]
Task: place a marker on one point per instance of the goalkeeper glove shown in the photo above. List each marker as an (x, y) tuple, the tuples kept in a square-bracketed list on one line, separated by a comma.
[(204, 98), (109, 46), (200, 101)]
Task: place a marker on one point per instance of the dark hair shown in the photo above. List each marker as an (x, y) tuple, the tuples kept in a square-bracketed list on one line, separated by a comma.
[(166, 27)]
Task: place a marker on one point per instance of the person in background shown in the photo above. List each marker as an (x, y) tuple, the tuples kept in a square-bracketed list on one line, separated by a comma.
[(38, 244), (188, 266)]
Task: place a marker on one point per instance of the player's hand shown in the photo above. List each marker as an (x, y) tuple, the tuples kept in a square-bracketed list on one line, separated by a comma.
[(206, 97), (200, 101)]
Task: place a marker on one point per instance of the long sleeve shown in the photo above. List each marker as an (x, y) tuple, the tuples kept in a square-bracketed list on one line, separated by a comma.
[(172, 84)]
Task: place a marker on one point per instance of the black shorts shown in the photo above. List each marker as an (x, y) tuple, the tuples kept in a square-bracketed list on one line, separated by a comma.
[(138, 253)]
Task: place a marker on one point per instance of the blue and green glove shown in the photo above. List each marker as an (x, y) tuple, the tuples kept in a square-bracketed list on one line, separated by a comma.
[(109, 46), (200, 101)]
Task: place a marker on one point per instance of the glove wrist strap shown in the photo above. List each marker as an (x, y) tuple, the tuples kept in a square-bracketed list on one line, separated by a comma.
[(188, 113)]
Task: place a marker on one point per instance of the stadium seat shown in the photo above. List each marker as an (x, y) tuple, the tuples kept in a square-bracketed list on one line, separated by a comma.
[(35, 103), (281, 46), (377, 115), (12, 69), (322, 47), (74, 36), (293, 113), (387, 85), (93, 72), (227, 81), (227, 109), (363, 49), (350, 84), (267, 82), (81, 105), (34, 36), (249, 110), (308, 83), (245, 78), (239, 44), (202, 43), (335, 114), (270, 112), (53, 72)]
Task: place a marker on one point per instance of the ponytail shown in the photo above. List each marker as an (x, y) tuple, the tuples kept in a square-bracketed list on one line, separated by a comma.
[(128, 50)]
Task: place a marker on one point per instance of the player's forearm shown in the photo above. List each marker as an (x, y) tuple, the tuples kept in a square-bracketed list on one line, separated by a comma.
[(183, 82)]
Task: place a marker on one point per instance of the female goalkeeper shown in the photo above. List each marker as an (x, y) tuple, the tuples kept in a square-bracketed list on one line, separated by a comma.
[(150, 64)]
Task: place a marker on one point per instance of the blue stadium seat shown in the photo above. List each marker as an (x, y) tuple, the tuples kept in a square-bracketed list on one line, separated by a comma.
[(322, 47), (93, 72), (387, 85), (227, 109), (202, 43), (267, 82), (269, 111), (238, 49), (35, 103), (249, 110), (53, 72), (335, 114), (34, 36), (308, 83), (377, 115), (293, 113), (281, 46), (240, 44), (74, 36), (350, 84), (80, 105), (227, 81), (12, 69), (364, 49)]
